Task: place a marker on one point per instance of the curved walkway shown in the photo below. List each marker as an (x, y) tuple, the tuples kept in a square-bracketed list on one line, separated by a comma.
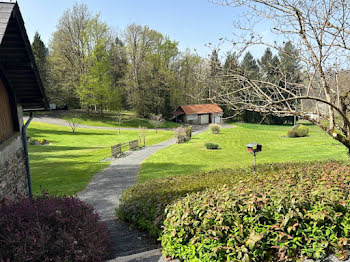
[(103, 193)]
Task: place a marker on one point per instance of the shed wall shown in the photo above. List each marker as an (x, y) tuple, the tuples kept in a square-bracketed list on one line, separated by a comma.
[(6, 122)]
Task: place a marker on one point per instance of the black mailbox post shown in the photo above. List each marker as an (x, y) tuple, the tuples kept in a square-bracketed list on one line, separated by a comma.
[(254, 148)]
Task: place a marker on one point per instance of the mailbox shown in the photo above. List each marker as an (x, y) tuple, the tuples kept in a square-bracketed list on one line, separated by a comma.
[(254, 148)]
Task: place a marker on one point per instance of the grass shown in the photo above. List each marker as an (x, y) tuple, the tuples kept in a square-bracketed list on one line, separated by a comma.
[(68, 163), (132, 122), (192, 156), (108, 119)]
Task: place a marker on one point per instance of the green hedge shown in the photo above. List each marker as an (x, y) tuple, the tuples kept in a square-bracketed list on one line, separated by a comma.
[(143, 205), (288, 215)]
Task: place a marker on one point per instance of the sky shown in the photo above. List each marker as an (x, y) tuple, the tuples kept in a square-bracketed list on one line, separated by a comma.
[(193, 23)]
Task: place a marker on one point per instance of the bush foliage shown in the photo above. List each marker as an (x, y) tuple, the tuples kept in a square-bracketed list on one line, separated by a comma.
[(37, 141), (211, 146), (284, 212), (298, 131), (183, 134), (215, 128), (51, 229)]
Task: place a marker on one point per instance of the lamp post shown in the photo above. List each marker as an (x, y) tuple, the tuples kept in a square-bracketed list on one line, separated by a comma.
[(254, 148)]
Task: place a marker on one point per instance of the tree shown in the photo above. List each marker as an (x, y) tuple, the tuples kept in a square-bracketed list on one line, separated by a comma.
[(186, 88), (268, 66), (96, 83), (149, 77), (41, 54), (290, 63), (231, 62), (249, 66), (156, 121), (320, 31), (70, 46), (118, 71), (142, 135), (74, 121), (119, 116)]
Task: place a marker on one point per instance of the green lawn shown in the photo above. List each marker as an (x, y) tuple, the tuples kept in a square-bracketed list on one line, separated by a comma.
[(107, 119), (130, 122), (192, 157), (66, 165)]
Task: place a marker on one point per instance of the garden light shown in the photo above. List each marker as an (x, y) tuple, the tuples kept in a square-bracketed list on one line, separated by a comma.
[(254, 148)]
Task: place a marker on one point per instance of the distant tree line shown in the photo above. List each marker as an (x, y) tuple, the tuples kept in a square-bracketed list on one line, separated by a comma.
[(91, 67), (278, 69)]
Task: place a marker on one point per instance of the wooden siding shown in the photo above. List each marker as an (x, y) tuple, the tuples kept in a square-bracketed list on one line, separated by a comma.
[(6, 122)]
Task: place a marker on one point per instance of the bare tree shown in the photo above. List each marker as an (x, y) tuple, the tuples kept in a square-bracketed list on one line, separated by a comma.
[(156, 121), (320, 30), (120, 119), (142, 135), (73, 122)]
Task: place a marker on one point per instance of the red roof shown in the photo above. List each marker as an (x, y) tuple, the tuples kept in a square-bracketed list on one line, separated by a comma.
[(201, 109)]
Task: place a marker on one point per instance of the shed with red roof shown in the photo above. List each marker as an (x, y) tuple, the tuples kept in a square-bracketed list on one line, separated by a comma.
[(199, 114)]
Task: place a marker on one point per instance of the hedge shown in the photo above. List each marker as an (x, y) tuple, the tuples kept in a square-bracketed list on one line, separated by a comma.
[(143, 205)]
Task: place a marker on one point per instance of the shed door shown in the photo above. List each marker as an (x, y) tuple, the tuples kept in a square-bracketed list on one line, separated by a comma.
[(217, 119), (205, 119)]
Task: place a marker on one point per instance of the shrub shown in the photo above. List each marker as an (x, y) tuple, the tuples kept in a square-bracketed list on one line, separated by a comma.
[(211, 145), (296, 209), (292, 133), (51, 229), (215, 128), (182, 135), (298, 131), (189, 132), (278, 218), (37, 141), (31, 141), (302, 131)]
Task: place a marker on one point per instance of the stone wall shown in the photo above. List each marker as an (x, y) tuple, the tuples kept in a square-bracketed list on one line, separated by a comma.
[(13, 173)]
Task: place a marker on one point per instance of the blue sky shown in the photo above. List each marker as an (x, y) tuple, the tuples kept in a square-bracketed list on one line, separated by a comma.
[(193, 23)]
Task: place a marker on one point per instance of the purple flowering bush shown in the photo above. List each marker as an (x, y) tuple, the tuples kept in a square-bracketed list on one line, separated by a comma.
[(51, 228)]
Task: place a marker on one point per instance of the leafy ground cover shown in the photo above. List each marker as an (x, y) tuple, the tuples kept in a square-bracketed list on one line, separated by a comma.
[(283, 212), (192, 156), (66, 165)]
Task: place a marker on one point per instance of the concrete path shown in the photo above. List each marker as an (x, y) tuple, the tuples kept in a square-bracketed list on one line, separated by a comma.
[(103, 193)]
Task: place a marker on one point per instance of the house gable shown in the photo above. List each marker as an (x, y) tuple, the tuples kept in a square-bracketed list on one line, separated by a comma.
[(17, 61)]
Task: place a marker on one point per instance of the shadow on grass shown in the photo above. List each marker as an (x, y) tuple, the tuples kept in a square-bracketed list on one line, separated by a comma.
[(42, 153), (36, 132), (48, 148), (61, 178)]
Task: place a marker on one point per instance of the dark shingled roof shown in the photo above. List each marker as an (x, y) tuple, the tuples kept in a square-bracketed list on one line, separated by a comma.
[(17, 63)]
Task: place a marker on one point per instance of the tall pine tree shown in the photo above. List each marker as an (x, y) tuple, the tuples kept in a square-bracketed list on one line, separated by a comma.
[(41, 54), (249, 66)]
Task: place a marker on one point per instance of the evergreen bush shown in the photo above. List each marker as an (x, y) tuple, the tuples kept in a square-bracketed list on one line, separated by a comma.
[(211, 146)]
